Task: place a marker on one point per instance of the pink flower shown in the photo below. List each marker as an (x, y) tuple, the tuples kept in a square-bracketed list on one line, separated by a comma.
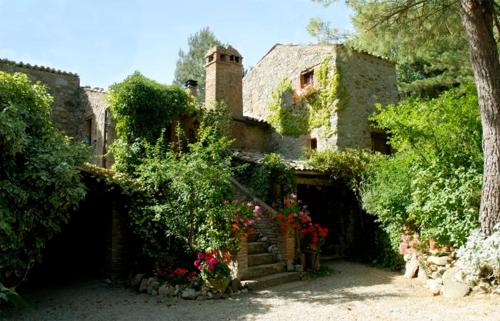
[(256, 209)]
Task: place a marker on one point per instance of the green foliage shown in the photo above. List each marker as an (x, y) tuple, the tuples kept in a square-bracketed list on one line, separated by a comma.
[(270, 172), (425, 38), (432, 183), (387, 252), (142, 109), (187, 192), (287, 118), (191, 64), (349, 166), (39, 178), (295, 113), (10, 296)]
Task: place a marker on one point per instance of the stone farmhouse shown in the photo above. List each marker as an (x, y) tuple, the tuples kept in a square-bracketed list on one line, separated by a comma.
[(272, 110)]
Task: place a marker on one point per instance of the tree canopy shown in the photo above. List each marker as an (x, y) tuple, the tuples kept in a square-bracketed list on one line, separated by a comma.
[(39, 179), (417, 26), (426, 39), (191, 64)]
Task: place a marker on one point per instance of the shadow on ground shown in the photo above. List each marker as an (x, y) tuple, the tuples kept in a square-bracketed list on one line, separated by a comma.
[(94, 300)]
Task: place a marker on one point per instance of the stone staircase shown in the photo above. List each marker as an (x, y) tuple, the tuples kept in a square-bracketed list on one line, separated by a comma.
[(264, 268)]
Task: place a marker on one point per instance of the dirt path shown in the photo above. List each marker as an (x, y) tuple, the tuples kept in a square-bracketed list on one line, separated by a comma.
[(355, 292)]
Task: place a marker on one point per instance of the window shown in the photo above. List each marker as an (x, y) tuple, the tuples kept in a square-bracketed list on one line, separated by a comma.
[(87, 137), (231, 58), (314, 144), (210, 58), (307, 79), (222, 57), (380, 143), (237, 59)]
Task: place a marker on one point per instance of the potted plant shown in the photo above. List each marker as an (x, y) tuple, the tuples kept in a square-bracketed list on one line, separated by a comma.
[(213, 270), (314, 236)]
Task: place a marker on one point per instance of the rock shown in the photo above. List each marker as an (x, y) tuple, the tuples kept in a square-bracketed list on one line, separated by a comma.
[(245, 290), (439, 280), (144, 286), (421, 274), (154, 292), (136, 280), (411, 267), (438, 260), (451, 287), (484, 286), (435, 275), (299, 268), (272, 249), (496, 290), (290, 267), (189, 294), (235, 284), (263, 239), (441, 270), (434, 287), (166, 290), (153, 285)]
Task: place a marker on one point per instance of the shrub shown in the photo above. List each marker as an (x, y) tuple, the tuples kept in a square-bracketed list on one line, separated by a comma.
[(187, 194), (39, 179), (480, 256), (432, 183), (142, 109), (270, 172), (349, 166)]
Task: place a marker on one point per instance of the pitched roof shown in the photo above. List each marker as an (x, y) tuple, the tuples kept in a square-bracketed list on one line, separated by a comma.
[(364, 52)]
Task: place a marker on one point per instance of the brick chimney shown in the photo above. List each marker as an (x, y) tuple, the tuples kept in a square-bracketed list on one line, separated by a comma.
[(224, 78), (192, 87)]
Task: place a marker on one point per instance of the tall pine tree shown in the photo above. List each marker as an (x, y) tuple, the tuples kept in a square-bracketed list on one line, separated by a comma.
[(191, 64)]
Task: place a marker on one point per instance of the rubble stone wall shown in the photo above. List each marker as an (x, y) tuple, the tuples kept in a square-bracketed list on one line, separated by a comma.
[(63, 86), (368, 80)]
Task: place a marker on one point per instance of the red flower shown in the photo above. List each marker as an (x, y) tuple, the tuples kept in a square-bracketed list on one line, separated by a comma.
[(180, 271)]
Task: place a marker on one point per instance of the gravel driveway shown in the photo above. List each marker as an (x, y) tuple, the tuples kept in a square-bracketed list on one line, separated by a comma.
[(354, 292)]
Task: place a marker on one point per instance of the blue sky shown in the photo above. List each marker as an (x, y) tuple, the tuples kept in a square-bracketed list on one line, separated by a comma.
[(106, 40)]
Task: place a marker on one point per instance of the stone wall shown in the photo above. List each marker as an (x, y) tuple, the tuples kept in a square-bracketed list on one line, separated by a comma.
[(94, 103), (368, 80), (63, 86), (282, 61), (250, 135)]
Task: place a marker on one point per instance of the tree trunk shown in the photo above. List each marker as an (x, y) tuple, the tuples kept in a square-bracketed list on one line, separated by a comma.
[(477, 18)]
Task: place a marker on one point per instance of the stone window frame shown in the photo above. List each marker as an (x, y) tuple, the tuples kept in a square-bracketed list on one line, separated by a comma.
[(307, 78)]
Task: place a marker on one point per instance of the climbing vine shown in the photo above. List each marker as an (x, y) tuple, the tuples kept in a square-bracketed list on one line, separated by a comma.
[(295, 113), (287, 118)]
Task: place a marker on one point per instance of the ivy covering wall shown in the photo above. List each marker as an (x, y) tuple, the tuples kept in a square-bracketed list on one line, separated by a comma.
[(297, 112)]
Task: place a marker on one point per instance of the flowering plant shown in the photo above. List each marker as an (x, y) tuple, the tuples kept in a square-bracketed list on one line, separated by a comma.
[(315, 233), (304, 92), (213, 265), (175, 275), (296, 217), (244, 216)]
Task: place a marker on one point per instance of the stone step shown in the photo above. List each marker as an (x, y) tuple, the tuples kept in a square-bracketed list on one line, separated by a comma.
[(253, 237), (257, 247), (257, 271), (261, 258), (271, 280)]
